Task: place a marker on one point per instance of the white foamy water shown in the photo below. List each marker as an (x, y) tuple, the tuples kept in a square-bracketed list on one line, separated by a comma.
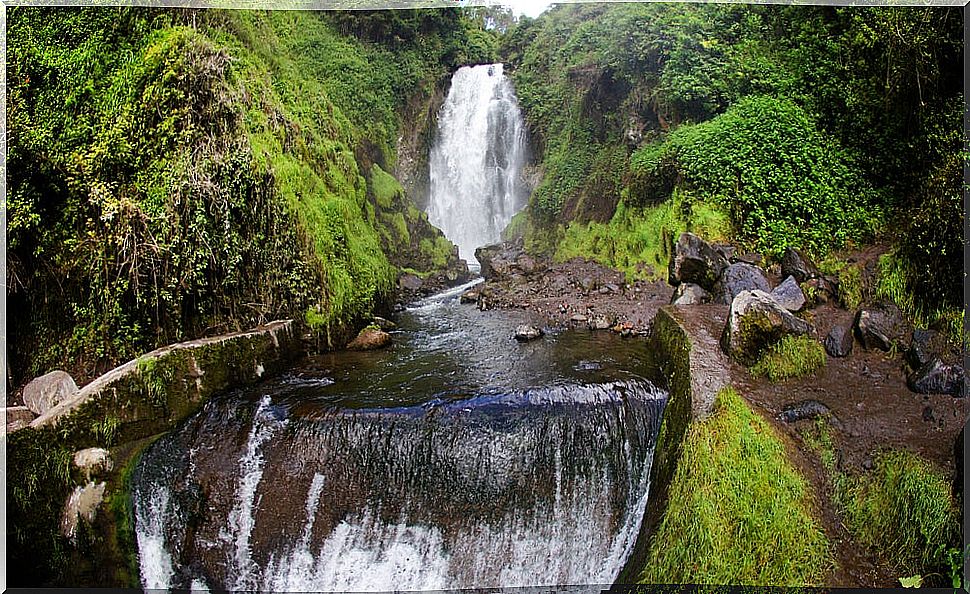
[(477, 158)]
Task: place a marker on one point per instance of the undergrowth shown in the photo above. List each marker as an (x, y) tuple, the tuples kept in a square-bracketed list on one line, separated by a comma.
[(790, 357), (738, 512)]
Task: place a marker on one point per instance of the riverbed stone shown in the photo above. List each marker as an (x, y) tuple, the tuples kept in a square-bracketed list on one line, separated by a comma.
[(838, 342), (880, 326), (738, 277), (936, 377), (795, 263), (755, 322), (81, 505), (599, 322), (695, 261), (689, 294), (47, 391), (789, 294), (369, 339), (526, 332)]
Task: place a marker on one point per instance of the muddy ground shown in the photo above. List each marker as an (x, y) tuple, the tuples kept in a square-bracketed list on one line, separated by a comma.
[(872, 407)]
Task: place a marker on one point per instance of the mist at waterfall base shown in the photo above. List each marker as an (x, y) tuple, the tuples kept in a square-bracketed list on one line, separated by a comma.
[(457, 458), (476, 160)]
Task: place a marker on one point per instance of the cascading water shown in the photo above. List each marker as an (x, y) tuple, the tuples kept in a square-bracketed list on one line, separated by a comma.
[(477, 158)]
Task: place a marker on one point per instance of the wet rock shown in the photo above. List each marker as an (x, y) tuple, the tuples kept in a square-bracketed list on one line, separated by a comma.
[(880, 326), (18, 417), (46, 391), (925, 345), (755, 322), (410, 282), (936, 377), (525, 333), (806, 409), (598, 323), (838, 342), (689, 294), (695, 261), (736, 278), (81, 505), (469, 296), (93, 462), (789, 294), (384, 323), (795, 263), (369, 339)]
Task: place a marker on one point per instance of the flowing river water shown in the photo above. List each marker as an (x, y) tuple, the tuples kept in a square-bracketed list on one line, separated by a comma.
[(456, 458)]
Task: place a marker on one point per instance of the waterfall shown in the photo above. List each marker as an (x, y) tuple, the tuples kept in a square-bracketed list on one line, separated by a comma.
[(543, 486), (476, 161)]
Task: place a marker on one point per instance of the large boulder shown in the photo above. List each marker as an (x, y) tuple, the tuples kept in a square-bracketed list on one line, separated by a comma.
[(689, 294), (936, 377), (880, 326), (797, 264), (757, 321), (738, 277), (789, 294), (46, 391), (496, 260), (368, 339), (695, 261), (838, 343)]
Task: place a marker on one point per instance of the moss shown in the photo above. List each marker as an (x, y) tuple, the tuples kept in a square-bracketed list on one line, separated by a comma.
[(790, 357), (384, 186), (738, 512)]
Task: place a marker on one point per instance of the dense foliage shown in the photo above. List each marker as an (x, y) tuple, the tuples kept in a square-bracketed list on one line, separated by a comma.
[(177, 173), (807, 126)]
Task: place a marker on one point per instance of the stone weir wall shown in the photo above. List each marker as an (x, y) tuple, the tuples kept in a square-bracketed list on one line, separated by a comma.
[(696, 369), (69, 519)]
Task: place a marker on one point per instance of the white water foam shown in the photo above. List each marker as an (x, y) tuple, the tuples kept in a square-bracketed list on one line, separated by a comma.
[(154, 560)]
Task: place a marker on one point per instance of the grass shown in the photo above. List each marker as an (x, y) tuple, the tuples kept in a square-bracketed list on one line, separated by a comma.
[(738, 511), (791, 357), (895, 275), (638, 241)]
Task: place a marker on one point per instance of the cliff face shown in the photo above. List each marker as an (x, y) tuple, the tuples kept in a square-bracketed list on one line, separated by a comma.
[(175, 174)]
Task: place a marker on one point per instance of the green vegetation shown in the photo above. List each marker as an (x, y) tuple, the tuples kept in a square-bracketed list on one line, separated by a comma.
[(177, 173), (903, 509), (738, 513), (639, 241), (897, 281), (790, 357)]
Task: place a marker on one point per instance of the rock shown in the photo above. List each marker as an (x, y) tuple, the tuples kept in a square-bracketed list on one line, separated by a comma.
[(527, 264), (369, 339), (695, 261), (689, 294), (526, 333), (797, 264), (384, 323), (838, 343), (579, 318), (749, 258), (497, 260), (736, 278), (46, 391), (925, 345), (806, 409), (880, 326), (936, 377), (755, 322), (92, 462), (81, 504), (928, 414), (612, 288), (587, 284), (725, 249), (789, 294), (18, 417), (598, 323), (469, 296), (410, 282)]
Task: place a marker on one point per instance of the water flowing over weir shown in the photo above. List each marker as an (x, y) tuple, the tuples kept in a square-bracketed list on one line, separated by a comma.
[(477, 158), (400, 471)]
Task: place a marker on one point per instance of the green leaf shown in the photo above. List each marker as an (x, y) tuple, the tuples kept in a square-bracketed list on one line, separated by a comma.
[(911, 582)]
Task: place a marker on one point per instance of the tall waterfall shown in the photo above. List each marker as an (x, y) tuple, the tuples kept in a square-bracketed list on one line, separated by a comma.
[(476, 161), (536, 487)]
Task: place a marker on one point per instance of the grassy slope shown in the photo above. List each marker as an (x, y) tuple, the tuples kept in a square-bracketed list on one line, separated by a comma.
[(174, 173), (738, 512)]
